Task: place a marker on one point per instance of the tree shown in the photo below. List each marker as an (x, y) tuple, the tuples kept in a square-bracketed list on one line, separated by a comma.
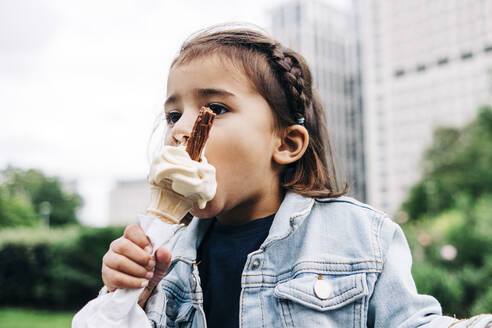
[(457, 165), (452, 261), (24, 193), (16, 210), (450, 212)]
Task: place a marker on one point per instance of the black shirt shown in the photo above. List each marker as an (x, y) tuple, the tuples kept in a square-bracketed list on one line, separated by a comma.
[(222, 255)]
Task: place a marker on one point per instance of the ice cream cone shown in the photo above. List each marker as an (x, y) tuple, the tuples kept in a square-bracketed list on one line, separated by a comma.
[(165, 203), (168, 205)]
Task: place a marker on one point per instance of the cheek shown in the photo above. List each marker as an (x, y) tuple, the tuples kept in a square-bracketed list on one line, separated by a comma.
[(237, 159), (225, 160), (232, 154)]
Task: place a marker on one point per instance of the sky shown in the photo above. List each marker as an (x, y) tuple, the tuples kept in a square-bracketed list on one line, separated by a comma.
[(81, 83)]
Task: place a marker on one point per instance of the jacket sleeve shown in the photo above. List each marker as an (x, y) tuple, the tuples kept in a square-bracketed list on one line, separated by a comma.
[(395, 301)]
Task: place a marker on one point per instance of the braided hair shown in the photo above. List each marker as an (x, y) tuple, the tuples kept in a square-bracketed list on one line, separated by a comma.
[(283, 78)]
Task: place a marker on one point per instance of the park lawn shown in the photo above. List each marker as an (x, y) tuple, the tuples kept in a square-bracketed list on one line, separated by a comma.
[(28, 318)]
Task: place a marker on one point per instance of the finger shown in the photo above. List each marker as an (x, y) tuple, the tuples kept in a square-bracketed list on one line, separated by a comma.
[(114, 279), (163, 260), (143, 297), (135, 233), (130, 250), (123, 264)]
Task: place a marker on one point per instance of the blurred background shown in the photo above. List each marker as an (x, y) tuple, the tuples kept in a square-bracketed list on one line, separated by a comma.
[(407, 89)]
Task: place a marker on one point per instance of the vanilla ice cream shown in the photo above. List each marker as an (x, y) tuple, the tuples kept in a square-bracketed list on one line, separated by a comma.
[(191, 179)]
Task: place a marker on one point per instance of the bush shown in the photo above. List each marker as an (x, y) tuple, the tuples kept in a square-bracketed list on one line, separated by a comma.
[(460, 279), (442, 284), (57, 268)]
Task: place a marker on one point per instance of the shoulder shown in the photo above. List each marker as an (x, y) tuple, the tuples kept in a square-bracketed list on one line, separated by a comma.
[(349, 210), (355, 221), (350, 204)]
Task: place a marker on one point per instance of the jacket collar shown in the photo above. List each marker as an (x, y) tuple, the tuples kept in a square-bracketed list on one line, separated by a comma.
[(186, 246), (293, 209)]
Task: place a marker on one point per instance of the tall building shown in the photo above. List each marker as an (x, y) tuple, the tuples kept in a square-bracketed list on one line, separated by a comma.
[(325, 34), (426, 64), (127, 199)]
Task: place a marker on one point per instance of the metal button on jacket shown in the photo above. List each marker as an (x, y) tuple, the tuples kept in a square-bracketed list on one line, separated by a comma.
[(256, 264), (322, 289)]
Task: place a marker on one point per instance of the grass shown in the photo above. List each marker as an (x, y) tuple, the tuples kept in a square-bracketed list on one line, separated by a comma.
[(27, 318)]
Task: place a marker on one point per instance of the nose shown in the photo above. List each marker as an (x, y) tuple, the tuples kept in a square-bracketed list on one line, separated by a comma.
[(181, 131), (181, 139)]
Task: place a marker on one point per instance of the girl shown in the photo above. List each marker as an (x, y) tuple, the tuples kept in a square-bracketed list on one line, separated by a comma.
[(279, 245)]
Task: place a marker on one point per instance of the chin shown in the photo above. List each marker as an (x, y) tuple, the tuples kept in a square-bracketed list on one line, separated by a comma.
[(203, 213), (209, 211)]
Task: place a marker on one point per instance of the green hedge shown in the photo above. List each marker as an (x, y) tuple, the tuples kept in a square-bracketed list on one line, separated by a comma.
[(56, 269)]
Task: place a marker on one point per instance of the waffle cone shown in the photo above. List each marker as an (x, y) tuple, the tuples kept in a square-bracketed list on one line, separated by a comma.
[(168, 205)]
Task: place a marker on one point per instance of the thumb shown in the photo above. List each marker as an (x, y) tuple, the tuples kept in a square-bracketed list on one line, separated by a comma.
[(163, 260)]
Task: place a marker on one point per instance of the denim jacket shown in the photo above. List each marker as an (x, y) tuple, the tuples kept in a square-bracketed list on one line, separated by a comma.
[(326, 263)]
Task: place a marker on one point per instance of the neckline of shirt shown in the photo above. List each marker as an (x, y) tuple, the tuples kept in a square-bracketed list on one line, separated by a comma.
[(250, 226)]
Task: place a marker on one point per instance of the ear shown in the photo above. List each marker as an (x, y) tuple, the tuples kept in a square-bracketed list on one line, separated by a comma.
[(291, 145)]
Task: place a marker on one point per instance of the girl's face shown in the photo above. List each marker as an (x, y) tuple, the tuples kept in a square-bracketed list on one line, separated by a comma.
[(241, 141)]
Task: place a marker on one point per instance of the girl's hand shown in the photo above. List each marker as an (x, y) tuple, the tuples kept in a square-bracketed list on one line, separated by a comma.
[(129, 264)]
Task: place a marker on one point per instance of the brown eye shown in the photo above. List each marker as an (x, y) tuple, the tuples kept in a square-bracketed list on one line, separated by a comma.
[(218, 108), (172, 117)]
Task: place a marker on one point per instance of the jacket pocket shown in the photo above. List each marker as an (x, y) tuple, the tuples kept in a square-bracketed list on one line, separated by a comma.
[(179, 314), (312, 300)]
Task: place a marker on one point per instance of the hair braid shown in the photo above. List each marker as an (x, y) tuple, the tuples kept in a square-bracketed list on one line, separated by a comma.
[(290, 72)]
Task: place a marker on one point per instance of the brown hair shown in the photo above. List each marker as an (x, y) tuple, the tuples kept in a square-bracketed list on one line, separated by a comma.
[(283, 78)]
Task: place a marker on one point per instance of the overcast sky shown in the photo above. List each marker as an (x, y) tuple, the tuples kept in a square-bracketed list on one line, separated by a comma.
[(82, 81)]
